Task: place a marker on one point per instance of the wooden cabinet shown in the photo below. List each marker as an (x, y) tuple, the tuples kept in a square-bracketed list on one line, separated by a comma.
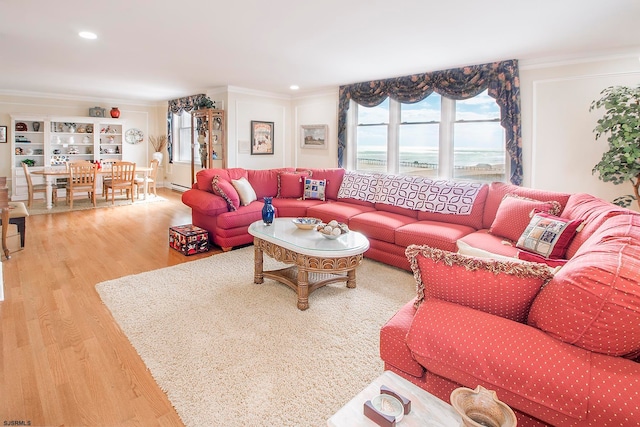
[(208, 141), (44, 141)]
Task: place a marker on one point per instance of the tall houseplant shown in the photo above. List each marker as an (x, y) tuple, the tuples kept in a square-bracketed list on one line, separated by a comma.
[(621, 124)]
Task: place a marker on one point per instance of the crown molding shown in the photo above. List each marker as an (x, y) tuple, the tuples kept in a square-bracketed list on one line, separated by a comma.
[(558, 61), (90, 99)]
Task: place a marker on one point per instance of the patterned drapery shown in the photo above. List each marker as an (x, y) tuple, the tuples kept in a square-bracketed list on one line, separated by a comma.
[(177, 106), (501, 79)]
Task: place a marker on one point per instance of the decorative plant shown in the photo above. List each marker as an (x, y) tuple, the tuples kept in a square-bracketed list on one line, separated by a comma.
[(158, 142), (29, 162), (205, 102), (621, 122)]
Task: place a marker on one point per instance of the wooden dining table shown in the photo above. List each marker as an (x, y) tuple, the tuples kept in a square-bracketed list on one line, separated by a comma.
[(51, 173)]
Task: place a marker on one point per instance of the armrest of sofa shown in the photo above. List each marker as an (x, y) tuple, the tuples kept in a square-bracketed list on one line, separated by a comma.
[(204, 202)]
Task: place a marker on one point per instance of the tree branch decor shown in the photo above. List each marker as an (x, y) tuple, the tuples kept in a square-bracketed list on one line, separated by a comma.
[(158, 142), (621, 124)]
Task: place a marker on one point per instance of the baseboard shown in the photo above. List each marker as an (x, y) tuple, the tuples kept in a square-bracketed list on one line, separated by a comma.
[(179, 187)]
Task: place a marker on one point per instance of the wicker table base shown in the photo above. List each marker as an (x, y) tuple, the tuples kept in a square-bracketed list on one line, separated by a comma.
[(307, 273)]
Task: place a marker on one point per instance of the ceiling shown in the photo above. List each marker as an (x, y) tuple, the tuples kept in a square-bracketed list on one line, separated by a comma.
[(152, 50)]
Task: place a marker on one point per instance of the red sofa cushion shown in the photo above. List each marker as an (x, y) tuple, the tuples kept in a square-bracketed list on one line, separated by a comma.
[(226, 190), (497, 191), (593, 212), (291, 185), (204, 202), (593, 302), (265, 181), (503, 288), (333, 178), (527, 368), (293, 207), (205, 176), (243, 217), (379, 225), (340, 211), (514, 215), (432, 233)]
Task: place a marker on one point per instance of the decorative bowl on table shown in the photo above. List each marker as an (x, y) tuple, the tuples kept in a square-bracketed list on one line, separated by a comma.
[(332, 230), (306, 223), (481, 407)]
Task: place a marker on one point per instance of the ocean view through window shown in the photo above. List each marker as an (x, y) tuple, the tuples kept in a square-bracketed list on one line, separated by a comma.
[(435, 137)]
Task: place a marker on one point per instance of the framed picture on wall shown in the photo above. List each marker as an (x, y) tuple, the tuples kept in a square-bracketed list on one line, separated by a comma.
[(314, 136), (261, 137), (3, 134)]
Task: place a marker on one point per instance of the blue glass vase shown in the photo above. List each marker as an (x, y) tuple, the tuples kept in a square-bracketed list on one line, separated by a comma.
[(268, 211)]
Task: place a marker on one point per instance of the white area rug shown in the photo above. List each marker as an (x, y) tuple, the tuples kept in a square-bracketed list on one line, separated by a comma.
[(229, 352)]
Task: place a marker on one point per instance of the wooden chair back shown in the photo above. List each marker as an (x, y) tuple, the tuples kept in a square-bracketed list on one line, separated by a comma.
[(154, 169), (123, 173), (82, 174)]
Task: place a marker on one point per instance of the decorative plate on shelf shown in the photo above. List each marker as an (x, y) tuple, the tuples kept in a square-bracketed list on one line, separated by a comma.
[(21, 127), (134, 136)]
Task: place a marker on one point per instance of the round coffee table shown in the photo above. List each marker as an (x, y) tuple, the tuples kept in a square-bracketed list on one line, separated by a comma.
[(316, 261)]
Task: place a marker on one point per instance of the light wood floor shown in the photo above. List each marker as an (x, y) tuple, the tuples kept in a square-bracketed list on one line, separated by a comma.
[(64, 360)]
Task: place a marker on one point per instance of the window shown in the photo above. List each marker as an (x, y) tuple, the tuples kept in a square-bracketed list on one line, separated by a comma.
[(436, 137), (182, 137)]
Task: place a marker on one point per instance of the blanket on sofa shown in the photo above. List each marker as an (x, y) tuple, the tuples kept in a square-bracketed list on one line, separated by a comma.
[(411, 192)]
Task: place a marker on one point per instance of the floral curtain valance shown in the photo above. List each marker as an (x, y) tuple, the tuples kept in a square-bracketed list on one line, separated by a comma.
[(500, 78), (177, 106)]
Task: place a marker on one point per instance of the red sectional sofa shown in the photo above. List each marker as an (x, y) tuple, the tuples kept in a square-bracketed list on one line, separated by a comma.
[(561, 349)]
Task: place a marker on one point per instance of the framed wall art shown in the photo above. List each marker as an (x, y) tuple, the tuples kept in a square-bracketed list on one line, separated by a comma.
[(314, 136), (261, 137), (3, 134)]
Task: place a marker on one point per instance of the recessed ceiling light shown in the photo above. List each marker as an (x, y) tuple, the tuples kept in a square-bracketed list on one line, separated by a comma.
[(88, 35), (294, 87)]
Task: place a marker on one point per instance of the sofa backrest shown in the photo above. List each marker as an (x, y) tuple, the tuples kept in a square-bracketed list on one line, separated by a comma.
[(333, 178), (205, 176), (265, 181), (593, 212), (497, 191)]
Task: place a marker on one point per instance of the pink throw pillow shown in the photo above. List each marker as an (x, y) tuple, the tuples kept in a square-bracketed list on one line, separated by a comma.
[(514, 214), (291, 185), (227, 191), (502, 288), (548, 235)]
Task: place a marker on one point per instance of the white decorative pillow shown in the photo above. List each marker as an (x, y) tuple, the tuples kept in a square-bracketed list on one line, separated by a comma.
[(314, 188), (468, 250), (359, 186), (245, 191)]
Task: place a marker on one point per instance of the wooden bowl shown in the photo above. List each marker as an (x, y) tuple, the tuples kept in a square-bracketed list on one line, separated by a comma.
[(482, 408)]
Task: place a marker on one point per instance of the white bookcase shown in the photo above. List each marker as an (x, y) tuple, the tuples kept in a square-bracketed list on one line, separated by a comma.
[(54, 140)]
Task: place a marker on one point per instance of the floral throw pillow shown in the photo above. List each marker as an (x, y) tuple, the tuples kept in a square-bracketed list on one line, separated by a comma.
[(503, 288)]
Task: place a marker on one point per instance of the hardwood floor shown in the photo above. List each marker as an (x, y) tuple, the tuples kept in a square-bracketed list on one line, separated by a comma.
[(64, 360)]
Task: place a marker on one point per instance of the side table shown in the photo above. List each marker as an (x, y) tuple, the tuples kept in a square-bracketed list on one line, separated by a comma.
[(426, 409)]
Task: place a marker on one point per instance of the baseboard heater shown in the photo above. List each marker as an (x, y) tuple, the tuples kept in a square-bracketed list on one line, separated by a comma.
[(179, 187)]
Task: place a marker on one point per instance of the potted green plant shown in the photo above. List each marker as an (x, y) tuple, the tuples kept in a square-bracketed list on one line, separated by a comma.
[(29, 162), (621, 124)]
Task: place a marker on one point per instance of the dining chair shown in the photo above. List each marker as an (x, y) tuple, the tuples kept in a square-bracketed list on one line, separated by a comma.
[(82, 179), (123, 177), (37, 188), (106, 166), (150, 179)]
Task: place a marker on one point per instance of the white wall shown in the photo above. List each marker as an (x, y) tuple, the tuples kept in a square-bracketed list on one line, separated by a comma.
[(559, 146)]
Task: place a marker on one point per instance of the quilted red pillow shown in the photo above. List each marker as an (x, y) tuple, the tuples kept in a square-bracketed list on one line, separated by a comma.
[(548, 235), (514, 214), (503, 288), (291, 185), (227, 191)]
